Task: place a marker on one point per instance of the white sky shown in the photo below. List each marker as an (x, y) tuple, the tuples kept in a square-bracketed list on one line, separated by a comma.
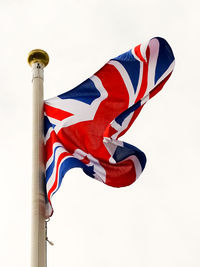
[(152, 223)]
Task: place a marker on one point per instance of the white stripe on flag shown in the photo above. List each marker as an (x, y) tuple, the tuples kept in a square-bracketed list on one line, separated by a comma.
[(154, 51), (55, 145)]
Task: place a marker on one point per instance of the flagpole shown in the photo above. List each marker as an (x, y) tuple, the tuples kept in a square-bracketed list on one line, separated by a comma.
[(38, 59)]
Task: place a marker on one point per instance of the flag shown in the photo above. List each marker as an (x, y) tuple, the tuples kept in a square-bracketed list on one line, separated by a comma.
[(83, 125)]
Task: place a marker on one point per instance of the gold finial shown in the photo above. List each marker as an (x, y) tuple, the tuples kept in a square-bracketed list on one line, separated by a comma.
[(38, 55)]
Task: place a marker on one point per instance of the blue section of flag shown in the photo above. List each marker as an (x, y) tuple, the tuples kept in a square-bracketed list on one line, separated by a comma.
[(85, 92), (165, 58), (131, 65), (123, 152), (47, 125), (138, 153), (89, 170), (65, 166)]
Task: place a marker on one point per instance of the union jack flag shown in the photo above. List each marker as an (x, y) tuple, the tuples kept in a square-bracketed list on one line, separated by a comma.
[(83, 125)]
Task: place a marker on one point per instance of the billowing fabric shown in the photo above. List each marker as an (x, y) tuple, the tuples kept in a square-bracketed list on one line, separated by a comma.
[(82, 126)]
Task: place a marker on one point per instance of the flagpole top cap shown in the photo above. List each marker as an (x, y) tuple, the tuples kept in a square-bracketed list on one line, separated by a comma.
[(38, 56)]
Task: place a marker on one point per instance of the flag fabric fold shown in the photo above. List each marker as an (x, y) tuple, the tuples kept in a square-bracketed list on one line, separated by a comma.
[(83, 125)]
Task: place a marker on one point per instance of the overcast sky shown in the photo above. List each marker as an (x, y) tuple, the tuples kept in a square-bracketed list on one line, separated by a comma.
[(152, 223)]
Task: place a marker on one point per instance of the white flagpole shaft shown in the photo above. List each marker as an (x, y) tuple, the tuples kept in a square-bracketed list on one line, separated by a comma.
[(38, 201), (38, 238)]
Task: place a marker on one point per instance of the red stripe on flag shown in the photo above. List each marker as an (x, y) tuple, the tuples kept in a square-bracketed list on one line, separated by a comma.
[(85, 160), (120, 174), (138, 52), (109, 131), (56, 113), (48, 148)]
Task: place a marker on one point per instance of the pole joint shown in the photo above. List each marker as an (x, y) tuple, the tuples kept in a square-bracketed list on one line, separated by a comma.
[(37, 70)]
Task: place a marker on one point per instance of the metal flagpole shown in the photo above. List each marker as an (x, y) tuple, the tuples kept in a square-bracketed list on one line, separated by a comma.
[(38, 59)]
